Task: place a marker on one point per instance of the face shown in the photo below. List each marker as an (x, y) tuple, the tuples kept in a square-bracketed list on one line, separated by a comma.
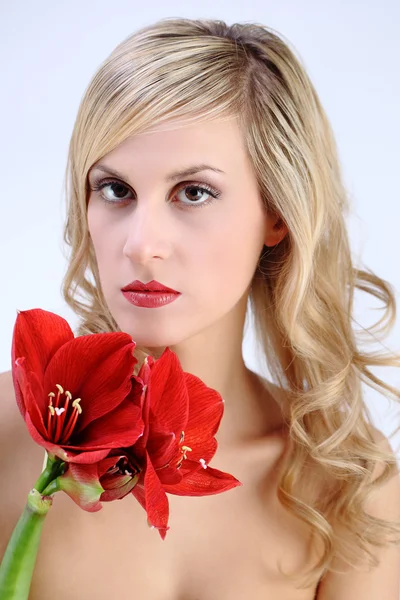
[(200, 234)]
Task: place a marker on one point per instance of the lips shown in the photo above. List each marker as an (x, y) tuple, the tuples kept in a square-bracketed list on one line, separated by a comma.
[(151, 286), (150, 299)]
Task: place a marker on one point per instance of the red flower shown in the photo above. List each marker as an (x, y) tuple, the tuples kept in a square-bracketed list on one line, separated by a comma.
[(181, 416), (75, 394)]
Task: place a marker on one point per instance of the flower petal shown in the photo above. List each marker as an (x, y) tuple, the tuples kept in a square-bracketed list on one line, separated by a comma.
[(37, 335), (169, 400), (32, 393), (206, 409), (162, 447), (169, 475), (138, 491), (117, 429), (97, 368), (65, 455), (121, 488), (85, 458), (81, 483), (19, 396), (203, 482), (155, 500)]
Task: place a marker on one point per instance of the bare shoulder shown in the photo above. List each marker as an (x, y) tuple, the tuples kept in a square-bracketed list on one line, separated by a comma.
[(8, 405), (11, 421)]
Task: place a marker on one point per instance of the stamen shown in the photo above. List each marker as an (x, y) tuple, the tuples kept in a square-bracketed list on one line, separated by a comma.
[(70, 426), (60, 391), (58, 425), (203, 463), (60, 422), (184, 450), (76, 405), (55, 427), (49, 415)]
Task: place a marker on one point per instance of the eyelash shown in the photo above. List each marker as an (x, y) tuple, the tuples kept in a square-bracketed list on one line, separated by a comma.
[(99, 184)]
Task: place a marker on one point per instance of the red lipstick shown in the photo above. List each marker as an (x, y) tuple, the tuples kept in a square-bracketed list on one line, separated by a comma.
[(152, 286), (149, 295)]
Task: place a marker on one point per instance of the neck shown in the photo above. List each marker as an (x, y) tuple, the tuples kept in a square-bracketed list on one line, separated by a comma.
[(215, 356)]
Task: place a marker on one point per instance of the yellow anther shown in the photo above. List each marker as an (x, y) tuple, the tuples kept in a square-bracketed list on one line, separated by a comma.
[(59, 388), (67, 393), (51, 394), (51, 409), (182, 437), (186, 449), (76, 405)]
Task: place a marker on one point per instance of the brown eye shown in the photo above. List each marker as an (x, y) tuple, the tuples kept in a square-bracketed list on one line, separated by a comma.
[(112, 191), (192, 195), (118, 189)]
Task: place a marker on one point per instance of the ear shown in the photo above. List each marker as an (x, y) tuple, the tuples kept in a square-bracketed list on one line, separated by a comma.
[(275, 230)]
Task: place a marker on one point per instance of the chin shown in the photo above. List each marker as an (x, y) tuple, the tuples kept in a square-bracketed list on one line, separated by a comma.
[(154, 340)]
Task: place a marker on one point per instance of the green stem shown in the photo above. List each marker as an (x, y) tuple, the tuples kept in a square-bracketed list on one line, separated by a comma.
[(17, 566), (52, 488), (19, 560), (49, 473)]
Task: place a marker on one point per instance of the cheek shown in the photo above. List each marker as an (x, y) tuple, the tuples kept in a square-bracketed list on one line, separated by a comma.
[(230, 253)]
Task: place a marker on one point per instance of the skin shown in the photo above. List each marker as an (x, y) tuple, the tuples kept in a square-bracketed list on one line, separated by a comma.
[(208, 253)]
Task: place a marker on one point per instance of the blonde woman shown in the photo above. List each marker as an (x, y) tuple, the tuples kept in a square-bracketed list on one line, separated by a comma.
[(195, 114)]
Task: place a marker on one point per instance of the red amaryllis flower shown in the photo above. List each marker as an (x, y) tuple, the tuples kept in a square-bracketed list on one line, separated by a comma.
[(75, 394), (181, 417)]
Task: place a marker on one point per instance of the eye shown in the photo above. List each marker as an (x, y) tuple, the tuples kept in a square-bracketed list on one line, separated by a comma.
[(110, 188), (192, 192), (115, 192)]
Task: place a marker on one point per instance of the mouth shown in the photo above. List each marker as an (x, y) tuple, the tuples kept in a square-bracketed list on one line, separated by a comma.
[(149, 299)]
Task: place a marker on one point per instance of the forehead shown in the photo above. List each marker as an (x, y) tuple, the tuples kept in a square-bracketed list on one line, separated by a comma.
[(178, 144)]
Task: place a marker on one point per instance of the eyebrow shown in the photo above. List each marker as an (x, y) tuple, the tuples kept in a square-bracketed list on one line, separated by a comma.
[(171, 177)]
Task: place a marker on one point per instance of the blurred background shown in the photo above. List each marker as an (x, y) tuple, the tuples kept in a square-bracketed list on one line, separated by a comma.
[(49, 52)]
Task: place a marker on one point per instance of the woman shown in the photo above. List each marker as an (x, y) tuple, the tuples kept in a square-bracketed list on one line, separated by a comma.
[(189, 114)]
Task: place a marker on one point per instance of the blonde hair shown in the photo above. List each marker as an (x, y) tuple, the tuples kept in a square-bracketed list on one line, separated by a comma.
[(303, 289)]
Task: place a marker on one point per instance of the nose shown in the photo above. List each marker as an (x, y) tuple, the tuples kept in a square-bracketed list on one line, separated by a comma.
[(148, 233)]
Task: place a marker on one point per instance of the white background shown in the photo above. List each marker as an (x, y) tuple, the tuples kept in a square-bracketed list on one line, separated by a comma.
[(49, 52)]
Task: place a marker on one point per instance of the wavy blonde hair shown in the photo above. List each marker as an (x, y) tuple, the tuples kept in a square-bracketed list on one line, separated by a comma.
[(303, 289)]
